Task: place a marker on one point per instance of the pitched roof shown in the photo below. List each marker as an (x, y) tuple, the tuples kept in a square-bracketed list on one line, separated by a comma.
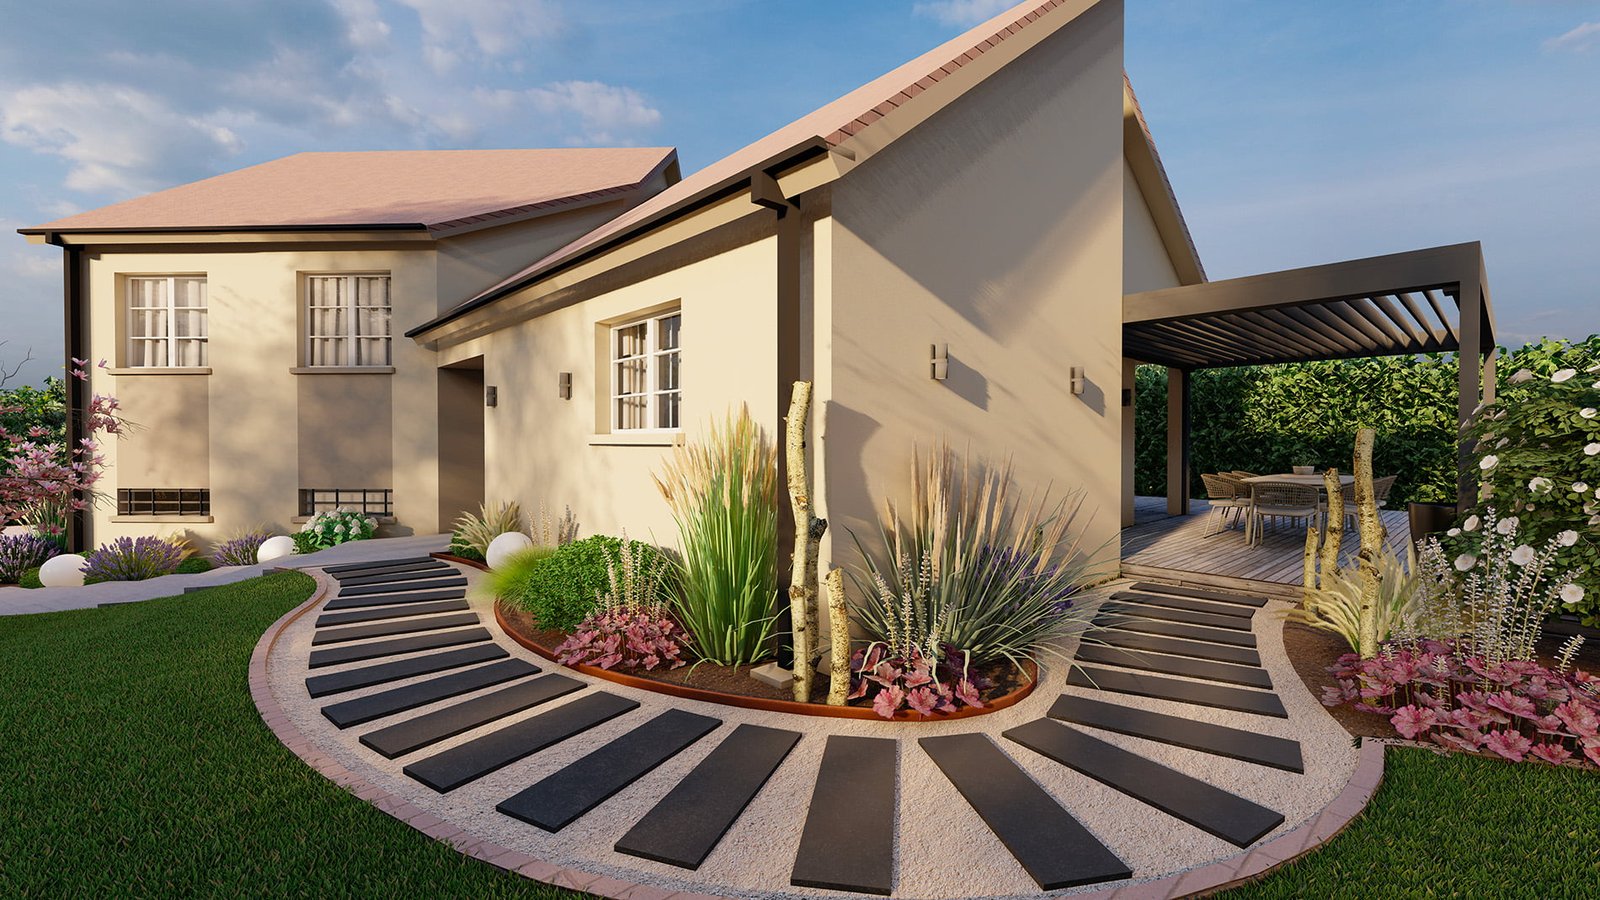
[(829, 126), (434, 189)]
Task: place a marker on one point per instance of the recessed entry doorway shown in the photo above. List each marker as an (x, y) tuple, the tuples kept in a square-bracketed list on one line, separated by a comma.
[(461, 442)]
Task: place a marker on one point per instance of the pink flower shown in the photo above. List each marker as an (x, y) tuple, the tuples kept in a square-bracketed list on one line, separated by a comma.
[(1509, 744), (922, 700), (1552, 753), (1411, 721), (888, 701)]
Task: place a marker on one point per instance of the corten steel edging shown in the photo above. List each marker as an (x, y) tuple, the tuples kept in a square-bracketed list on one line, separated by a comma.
[(429, 824)]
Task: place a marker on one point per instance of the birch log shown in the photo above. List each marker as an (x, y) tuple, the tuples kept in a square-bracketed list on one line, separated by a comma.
[(1334, 522), (1371, 543), (808, 530), (839, 630), (1308, 564)]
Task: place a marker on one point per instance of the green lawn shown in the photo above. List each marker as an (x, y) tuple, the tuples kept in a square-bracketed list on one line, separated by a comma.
[(133, 763), (1458, 826)]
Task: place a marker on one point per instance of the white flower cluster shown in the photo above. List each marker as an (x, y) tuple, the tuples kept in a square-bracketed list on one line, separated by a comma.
[(340, 525)]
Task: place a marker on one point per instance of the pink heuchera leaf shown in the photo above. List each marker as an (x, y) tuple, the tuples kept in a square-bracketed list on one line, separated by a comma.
[(1509, 744), (1591, 750), (1552, 753), (917, 676), (1468, 742), (888, 701), (1511, 704), (1411, 721), (858, 689), (922, 700), (967, 693), (1580, 718)]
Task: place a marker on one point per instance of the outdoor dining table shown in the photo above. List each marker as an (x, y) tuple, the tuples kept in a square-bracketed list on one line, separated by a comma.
[(1310, 481)]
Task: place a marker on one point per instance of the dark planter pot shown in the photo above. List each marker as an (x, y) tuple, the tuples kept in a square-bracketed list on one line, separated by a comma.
[(1430, 518)]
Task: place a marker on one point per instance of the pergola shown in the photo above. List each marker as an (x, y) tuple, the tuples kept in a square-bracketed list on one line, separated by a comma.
[(1422, 301)]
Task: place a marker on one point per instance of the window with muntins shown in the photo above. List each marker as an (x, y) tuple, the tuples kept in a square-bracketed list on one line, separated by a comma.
[(645, 388), (163, 502), (347, 320), (167, 321), (367, 501)]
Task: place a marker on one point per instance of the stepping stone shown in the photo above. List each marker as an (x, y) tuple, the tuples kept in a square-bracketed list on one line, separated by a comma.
[(450, 769), (557, 800), (431, 728), (1213, 695), (377, 563), (1146, 611), (362, 590), (1052, 846), (1209, 808), (1173, 602), (423, 569), (1201, 593), (848, 840), (391, 612), (333, 656), (1117, 637), (1279, 753), (391, 577), (398, 626), (395, 599), (351, 679), (400, 699), (1174, 665), (1164, 628), (692, 818)]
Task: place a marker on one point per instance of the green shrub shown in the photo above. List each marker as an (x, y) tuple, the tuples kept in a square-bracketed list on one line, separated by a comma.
[(194, 565), (560, 586), (30, 579)]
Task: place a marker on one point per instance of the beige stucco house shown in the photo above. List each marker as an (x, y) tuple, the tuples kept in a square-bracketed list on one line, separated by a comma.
[(553, 320)]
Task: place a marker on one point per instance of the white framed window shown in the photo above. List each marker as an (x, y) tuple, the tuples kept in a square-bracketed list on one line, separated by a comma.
[(347, 320), (167, 321), (645, 387)]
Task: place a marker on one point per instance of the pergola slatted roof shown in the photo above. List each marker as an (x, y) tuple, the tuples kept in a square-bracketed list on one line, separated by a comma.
[(1400, 304), (1424, 301)]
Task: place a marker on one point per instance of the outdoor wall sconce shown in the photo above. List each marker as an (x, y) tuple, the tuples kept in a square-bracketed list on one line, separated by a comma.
[(940, 362), (491, 396), (564, 386), (1076, 380)]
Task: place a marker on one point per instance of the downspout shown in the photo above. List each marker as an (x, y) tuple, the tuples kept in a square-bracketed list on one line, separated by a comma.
[(77, 347)]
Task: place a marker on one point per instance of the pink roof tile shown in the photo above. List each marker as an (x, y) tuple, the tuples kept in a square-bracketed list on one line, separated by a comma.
[(388, 188), (832, 124)]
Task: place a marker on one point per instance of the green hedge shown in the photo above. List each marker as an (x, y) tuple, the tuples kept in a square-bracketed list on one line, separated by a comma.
[(1268, 418), (564, 587)]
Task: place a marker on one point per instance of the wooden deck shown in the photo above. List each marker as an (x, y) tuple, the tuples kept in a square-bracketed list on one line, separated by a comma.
[(1172, 548)]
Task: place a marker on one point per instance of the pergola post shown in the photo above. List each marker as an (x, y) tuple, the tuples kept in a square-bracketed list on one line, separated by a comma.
[(1469, 300), (1177, 442)]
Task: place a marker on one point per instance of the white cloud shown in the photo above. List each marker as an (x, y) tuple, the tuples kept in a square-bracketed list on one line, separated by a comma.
[(961, 13), (1583, 38), (117, 140), (605, 113), (454, 31)]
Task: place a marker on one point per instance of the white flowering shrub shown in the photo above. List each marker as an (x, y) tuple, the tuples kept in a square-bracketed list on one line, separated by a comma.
[(328, 529), (1538, 457)]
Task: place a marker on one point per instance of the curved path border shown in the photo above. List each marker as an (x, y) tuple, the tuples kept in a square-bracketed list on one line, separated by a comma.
[(1242, 867)]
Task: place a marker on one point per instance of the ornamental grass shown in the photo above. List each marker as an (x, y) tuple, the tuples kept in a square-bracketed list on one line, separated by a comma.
[(723, 495)]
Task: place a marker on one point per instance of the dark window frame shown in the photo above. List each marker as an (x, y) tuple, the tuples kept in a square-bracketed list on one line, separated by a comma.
[(376, 502), (163, 501)]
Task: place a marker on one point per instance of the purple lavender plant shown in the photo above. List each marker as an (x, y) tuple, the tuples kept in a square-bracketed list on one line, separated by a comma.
[(132, 559), (21, 552), (240, 550)]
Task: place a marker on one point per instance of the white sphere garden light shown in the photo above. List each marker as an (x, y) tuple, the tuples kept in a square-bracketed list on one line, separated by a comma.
[(275, 547), (65, 570), (505, 546)]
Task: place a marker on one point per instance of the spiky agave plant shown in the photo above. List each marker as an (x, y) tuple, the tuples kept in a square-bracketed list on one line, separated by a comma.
[(723, 496), (1336, 604), (473, 533), (970, 567)]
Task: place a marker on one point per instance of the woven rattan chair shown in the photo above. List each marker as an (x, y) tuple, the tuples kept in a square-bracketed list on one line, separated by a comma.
[(1380, 491), (1280, 501), (1226, 495)]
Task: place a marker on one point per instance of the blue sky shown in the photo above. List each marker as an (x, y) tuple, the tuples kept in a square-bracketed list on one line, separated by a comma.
[(1294, 133)]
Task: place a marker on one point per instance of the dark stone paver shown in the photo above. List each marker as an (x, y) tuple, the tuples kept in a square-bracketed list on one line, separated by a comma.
[(386, 703), (332, 656), (380, 563), (1266, 750), (352, 679), (450, 769), (1198, 693), (1229, 636), (1202, 593), (1117, 637), (426, 574), (691, 819), (362, 590), (1228, 816), (393, 599), (1250, 676), (1055, 848), (1172, 601), (432, 727), (373, 614), (558, 799), (1168, 614), (392, 627), (848, 840)]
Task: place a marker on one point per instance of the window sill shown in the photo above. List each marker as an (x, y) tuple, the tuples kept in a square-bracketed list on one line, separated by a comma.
[(640, 439), (159, 370), (342, 370), (195, 520), (381, 520)]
